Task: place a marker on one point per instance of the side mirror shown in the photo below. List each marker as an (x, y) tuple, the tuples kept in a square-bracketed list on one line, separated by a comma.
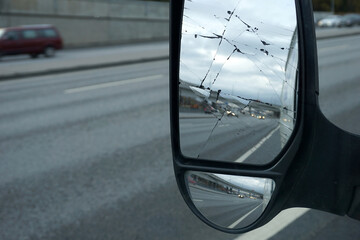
[(248, 137)]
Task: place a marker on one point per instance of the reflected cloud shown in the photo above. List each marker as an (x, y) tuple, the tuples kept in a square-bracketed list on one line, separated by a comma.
[(225, 41)]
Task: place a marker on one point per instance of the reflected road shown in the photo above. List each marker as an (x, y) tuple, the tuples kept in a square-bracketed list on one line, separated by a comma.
[(231, 138), (226, 209)]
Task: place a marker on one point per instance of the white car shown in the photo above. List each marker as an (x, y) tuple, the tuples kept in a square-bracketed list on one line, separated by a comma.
[(330, 21)]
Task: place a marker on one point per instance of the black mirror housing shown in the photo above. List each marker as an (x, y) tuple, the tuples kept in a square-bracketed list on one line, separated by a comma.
[(318, 168)]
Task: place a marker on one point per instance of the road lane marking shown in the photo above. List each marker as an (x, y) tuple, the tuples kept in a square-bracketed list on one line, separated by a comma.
[(269, 230), (198, 200), (243, 217), (111, 84), (257, 146)]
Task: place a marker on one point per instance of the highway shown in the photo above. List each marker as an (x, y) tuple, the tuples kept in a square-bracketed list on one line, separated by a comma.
[(86, 154)]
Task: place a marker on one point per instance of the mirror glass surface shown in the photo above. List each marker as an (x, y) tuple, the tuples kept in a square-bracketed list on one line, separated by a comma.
[(229, 201), (238, 71)]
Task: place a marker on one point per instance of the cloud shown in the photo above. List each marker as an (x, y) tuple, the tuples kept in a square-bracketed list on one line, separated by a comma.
[(240, 47)]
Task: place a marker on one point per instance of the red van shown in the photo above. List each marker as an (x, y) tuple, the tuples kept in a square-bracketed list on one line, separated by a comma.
[(30, 39)]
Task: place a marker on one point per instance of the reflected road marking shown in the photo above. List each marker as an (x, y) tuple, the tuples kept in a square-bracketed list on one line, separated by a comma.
[(243, 217), (111, 84), (256, 147)]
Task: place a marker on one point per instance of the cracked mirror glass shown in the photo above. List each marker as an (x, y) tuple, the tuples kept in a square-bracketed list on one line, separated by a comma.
[(238, 79), (229, 201)]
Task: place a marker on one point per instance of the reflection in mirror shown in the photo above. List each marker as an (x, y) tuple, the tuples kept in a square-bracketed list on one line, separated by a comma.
[(238, 70), (229, 201)]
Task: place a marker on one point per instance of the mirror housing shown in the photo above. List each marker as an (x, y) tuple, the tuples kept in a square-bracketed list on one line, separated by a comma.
[(318, 168)]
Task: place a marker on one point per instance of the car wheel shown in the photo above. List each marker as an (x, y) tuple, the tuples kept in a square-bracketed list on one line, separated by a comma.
[(34, 55), (49, 52)]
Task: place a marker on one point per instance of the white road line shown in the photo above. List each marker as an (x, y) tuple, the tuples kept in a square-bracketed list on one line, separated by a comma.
[(198, 200), (253, 149), (281, 221), (243, 217), (111, 84)]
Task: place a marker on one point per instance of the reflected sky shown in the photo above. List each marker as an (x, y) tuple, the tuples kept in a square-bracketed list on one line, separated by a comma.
[(253, 183), (228, 46)]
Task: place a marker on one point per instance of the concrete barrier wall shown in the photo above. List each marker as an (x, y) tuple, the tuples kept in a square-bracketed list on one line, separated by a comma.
[(92, 22)]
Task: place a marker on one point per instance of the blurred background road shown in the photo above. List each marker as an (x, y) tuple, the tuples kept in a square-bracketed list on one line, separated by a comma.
[(86, 154), (82, 59)]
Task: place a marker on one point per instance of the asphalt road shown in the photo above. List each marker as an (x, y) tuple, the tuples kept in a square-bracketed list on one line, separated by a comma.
[(84, 159), (339, 75)]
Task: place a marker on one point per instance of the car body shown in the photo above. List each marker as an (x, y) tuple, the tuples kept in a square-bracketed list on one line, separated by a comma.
[(349, 20), (30, 39), (330, 21)]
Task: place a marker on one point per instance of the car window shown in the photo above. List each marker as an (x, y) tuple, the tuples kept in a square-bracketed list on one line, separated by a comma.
[(11, 35), (29, 34), (49, 33)]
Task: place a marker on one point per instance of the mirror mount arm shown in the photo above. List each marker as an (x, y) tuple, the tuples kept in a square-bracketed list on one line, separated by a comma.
[(329, 167)]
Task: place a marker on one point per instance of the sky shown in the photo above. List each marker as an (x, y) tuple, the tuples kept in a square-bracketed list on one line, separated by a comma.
[(238, 46)]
